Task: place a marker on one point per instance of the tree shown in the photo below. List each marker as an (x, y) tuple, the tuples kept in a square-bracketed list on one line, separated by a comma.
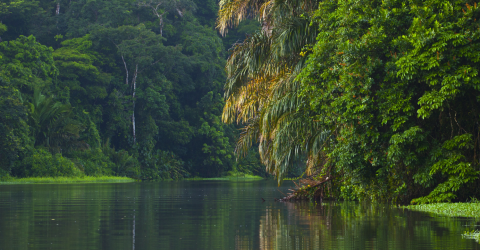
[(399, 89), (261, 89), (19, 16), (139, 50), (216, 148), (80, 70), (14, 130), (52, 124), (25, 63), (84, 81), (161, 8), (154, 112)]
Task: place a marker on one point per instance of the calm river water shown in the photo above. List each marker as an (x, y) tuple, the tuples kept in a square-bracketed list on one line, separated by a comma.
[(209, 215)]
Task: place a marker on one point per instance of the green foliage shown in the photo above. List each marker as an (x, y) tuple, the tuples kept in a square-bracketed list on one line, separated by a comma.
[(399, 87), (19, 16), (240, 33), (449, 209), (217, 147), (41, 163), (3, 28), (93, 162), (52, 124), (80, 71), (452, 164), (13, 128), (124, 164), (384, 101), (475, 234), (262, 91), (251, 164), (164, 166), (24, 62), (5, 176), (147, 81)]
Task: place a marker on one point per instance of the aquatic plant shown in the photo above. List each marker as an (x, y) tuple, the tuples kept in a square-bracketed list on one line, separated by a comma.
[(475, 234), (449, 209)]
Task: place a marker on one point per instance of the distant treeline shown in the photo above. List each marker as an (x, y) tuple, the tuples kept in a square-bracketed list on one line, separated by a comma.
[(115, 87)]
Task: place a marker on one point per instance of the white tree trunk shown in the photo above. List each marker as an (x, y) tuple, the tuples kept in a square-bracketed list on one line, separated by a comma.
[(126, 70), (161, 25), (134, 82)]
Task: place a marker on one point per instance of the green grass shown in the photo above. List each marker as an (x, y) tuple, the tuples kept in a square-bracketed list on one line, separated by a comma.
[(449, 209), (233, 176), (84, 179)]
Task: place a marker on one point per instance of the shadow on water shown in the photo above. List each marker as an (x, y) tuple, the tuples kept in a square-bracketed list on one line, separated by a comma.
[(210, 215)]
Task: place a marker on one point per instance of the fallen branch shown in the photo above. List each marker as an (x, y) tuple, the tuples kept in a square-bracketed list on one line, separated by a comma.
[(295, 195)]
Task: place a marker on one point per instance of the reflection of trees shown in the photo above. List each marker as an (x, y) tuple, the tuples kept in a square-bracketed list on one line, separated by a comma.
[(356, 226), (295, 229), (208, 215)]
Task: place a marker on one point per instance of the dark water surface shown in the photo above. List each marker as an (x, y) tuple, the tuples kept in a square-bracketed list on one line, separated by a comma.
[(209, 215)]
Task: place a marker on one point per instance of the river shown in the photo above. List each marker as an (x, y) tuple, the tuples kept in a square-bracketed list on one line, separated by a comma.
[(209, 215)]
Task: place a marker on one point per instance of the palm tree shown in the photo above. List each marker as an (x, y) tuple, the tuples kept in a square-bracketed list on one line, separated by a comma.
[(262, 91), (52, 124)]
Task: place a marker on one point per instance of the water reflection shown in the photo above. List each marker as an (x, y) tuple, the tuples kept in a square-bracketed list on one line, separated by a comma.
[(349, 225), (209, 215)]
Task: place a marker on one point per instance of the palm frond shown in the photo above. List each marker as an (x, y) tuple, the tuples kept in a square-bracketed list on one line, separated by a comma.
[(262, 91)]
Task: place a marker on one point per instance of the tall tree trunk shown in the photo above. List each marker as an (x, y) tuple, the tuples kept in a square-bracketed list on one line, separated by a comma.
[(161, 25), (58, 9), (126, 70), (134, 82)]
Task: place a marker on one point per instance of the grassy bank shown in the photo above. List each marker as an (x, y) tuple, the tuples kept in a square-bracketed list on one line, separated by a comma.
[(449, 209), (231, 177), (85, 179)]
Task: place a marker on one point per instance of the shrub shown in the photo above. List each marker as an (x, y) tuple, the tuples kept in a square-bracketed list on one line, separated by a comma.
[(164, 165), (42, 163), (124, 164), (93, 162)]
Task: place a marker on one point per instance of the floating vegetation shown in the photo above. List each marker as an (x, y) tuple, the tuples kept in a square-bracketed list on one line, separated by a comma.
[(83, 179), (475, 235), (449, 209)]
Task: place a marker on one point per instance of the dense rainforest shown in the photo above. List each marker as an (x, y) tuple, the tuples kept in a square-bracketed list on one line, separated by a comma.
[(371, 99), (380, 99), (125, 88)]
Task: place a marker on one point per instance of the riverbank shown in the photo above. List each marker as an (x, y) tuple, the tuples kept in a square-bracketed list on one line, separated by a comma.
[(112, 179), (84, 179), (231, 177), (449, 209)]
